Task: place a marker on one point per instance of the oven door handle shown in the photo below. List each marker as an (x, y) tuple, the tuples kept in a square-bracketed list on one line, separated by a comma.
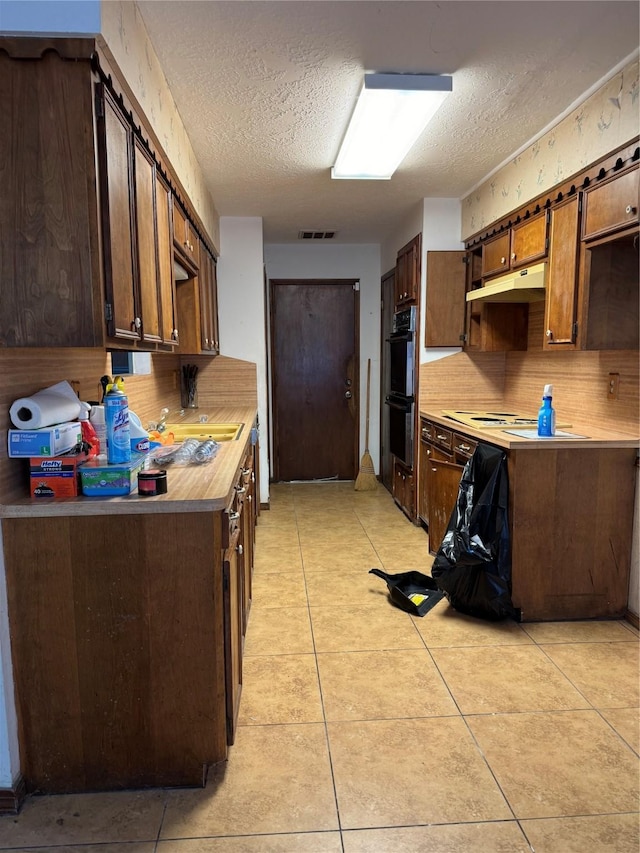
[(403, 406), (398, 337)]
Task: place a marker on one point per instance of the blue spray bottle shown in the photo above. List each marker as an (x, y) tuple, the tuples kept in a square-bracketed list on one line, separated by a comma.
[(547, 415), (116, 415)]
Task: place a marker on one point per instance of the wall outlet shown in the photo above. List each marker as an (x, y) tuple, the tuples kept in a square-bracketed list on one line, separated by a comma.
[(613, 387)]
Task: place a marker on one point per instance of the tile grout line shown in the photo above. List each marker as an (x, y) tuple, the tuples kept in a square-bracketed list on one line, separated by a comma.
[(319, 683)]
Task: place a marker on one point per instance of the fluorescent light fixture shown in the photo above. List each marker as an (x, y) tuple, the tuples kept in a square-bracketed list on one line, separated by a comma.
[(391, 113)]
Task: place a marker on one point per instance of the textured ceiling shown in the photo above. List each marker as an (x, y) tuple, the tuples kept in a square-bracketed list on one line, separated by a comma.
[(265, 90)]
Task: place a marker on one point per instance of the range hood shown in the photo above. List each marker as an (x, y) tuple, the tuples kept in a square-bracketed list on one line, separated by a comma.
[(527, 285)]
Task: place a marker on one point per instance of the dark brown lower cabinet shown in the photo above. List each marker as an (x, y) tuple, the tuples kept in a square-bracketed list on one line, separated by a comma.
[(570, 521), (404, 488), (442, 490), (117, 640), (233, 630)]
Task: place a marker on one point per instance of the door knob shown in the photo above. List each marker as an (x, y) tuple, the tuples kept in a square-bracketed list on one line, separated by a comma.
[(348, 395)]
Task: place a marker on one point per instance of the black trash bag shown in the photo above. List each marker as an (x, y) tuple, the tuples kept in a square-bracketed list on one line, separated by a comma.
[(473, 563), (411, 591)]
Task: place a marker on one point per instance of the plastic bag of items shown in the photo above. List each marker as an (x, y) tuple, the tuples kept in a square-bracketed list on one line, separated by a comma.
[(473, 564)]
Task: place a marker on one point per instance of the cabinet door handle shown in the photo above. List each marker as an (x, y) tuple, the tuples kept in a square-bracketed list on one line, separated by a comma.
[(630, 209), (206, 343), (175, 334), (549, 333), (513, 256), (503, 260), (240, 550), (137, 323)]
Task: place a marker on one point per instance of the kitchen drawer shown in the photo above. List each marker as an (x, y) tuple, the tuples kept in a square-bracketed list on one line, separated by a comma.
[(427, 430), (442, 437), (463, 445)]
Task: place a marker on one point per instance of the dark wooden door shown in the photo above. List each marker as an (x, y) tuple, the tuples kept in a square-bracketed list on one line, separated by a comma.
[(314, 345), (387, 286)]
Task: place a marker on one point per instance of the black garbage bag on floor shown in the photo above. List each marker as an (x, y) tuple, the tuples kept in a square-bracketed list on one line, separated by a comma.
[(473, 564), (411, 591)]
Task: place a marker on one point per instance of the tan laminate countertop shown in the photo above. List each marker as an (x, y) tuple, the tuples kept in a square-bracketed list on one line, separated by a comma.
[(595, 438), (191, 488)]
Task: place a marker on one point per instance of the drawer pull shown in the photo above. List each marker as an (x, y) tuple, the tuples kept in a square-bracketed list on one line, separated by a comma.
[(464, 447), (234, 516), (441, 437), (240, 490)]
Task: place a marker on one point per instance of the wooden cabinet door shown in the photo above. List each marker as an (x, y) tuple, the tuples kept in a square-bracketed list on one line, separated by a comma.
[(145, 207), (185, 238), (611, 205), (213, 303), (166, 284), (407, 281), (423, 467), (116, 184), (443, 482), (403, 489), (50, 280), (208, 302), (529, 241), (248, 534), (232, 588), (562, 281), (445, 299), (495, 255)]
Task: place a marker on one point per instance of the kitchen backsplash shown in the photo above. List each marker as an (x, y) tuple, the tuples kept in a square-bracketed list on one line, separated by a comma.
[(516, 379), (221, 381)]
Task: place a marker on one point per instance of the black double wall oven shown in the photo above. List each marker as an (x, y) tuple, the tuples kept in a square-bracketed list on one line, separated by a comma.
[(401, 399)]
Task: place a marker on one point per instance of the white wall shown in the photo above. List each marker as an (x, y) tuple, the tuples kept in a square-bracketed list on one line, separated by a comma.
[(241, 310), (440, 233), (405, 231), (360, 262)]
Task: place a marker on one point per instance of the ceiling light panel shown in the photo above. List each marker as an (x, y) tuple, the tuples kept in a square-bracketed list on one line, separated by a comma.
[(391, 113)]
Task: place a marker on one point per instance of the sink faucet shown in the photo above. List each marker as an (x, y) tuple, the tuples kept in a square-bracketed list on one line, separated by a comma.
[(162, 423)]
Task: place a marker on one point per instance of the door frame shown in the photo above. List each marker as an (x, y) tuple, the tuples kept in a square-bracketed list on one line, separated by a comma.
[(387, 301), (354, 283)]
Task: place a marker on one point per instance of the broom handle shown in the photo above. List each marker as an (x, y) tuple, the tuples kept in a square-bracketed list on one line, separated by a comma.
[(366, 439)]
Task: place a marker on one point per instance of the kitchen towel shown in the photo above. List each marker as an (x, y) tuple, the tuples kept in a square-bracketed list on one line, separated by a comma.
[(54, 405)]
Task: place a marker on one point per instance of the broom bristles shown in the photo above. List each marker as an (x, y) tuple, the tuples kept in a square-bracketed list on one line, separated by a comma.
[(366, 481)]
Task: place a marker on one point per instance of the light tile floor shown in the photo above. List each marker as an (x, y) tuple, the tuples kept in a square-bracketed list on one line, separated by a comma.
[(365, 730)]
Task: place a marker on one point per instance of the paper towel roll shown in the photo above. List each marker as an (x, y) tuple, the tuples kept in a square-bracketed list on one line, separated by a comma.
[(55, 405)]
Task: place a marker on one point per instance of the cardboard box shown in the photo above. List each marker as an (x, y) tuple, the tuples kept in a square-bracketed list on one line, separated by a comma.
[(99, 479), (55, 477), (48, 441)]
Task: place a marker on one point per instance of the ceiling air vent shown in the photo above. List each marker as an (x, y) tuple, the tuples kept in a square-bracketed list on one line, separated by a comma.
[(316, 235)]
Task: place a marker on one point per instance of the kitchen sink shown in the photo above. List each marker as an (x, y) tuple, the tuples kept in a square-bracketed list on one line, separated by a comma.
[(218, 432)]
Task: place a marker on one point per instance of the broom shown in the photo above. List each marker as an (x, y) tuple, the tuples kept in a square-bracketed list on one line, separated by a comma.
[(366, 480)]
